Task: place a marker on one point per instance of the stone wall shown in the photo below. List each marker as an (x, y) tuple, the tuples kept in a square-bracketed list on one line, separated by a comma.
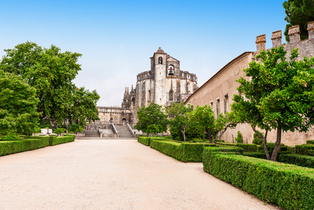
[(218, 91)]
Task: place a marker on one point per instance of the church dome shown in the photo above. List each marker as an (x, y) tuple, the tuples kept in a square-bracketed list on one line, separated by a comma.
[(160, 51)]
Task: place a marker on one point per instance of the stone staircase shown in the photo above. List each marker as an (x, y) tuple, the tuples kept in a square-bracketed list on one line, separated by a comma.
[(124, 131), (91, 133)]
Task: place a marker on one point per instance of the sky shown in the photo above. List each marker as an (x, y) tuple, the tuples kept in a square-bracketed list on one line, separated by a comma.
[(116, 38)]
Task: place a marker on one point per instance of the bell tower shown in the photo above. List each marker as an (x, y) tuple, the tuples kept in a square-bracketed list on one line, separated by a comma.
[(160, 67)]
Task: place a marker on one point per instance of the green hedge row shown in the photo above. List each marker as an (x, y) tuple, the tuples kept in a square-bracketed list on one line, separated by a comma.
[(61, 140), (297, 159), (289, 186), (144, 140), (310, 141), (185, 152), (11, 147), (31, 143), (305, 149)]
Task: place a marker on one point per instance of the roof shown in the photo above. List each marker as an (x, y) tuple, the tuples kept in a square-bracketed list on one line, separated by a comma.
[(160, 51), (223, 68)]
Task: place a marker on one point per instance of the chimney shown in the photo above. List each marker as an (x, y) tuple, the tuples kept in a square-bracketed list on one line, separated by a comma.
[(261, 42), (310, 29), (294, 34), (276, 38)]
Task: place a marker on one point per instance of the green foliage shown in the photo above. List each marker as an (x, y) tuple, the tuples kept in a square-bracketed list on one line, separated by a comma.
[(185, 152), (61, 140), (257, 138), (18, 112), (75, 128), (151, 115), (296, 159), (180, 118), (153, 129), (239, 137), (273, 182), (310, 141), (11, 147), (144, 140), (299, 12), (205, 117), (193, 130), (279, 94), (305, 149), (59, 131), (52, 73), (10, 136), (247, 147)]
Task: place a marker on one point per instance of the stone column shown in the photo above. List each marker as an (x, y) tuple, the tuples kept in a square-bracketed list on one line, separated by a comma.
[(276, 38), (261, 43), (310, 29), (294, 34)]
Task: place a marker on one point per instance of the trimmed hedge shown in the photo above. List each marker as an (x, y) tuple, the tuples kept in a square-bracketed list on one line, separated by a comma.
[(310, 141), (248, 147), (11, 147), (289, 186), (61, 140), (297, 159), (305, 149), (185, 152), (144, 140)]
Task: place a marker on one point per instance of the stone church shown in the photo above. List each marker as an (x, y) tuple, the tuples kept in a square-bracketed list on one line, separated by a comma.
[(218, 91), (164, 84)]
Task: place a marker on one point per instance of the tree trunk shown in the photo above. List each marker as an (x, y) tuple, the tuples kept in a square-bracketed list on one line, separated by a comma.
[(210, 136), (265, 146), (277, 145), (183, 132), (222, 132)]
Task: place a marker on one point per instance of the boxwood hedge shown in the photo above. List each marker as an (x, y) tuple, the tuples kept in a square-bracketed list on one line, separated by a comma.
[(305, 149), (310, 141), (144, 140), (289, 186), (61, 140), (185, 152), (11, 147), (297, 159)]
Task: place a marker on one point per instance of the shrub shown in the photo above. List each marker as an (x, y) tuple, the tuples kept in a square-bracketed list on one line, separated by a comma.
[(59, 131), (296, 159), (239, 137), (286, 185), (310, 141), (257, 139), (61, 140), (271, 146), (10, 136), (305, 149), (144, 140), (11, 147), (248, 147), (185, 152)]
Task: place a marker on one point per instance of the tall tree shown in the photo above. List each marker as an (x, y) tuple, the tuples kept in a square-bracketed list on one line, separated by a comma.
[(51, 73), (18, 105), (299, 12), (179, 116), (151, 115), (279, 95)]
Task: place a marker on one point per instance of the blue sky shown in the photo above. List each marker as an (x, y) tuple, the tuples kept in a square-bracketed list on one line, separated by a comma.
[(117, 38)]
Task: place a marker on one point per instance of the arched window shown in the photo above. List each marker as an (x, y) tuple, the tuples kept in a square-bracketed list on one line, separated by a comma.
[(160, 60), (171, 69), (171, 95)]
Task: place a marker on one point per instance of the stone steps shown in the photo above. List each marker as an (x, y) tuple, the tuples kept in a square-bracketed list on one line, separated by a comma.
[(91, 133), (124, 131)]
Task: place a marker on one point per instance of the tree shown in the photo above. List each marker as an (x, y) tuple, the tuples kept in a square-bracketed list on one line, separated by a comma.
[(75, 128), (151, 115), (179, 116), (83, 107), (18, 105), (299, 12), (279, 95), (51, 73)]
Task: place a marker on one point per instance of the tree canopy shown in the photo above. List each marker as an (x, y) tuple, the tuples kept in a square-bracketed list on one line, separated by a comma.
[(18, 105), (279, 94), (298, 12), (51, 73), (151, 115)]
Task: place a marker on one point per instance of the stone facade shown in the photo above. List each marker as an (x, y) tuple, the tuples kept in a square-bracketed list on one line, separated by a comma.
[(116, 115), (218, 91), (164, 84)]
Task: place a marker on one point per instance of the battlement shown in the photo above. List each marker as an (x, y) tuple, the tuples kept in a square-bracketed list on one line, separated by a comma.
[(144, 75), (306, 47)]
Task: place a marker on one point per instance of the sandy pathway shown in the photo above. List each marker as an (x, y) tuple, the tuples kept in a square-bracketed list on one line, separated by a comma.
[(112, 174)]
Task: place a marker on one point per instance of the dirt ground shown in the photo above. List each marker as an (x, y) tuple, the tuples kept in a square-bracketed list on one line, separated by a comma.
[(112, 174)]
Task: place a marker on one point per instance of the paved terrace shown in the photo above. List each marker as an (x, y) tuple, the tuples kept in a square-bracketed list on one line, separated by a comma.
[(112, 174)]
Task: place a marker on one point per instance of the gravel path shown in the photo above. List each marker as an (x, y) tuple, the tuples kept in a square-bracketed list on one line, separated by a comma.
[(112, 174)]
